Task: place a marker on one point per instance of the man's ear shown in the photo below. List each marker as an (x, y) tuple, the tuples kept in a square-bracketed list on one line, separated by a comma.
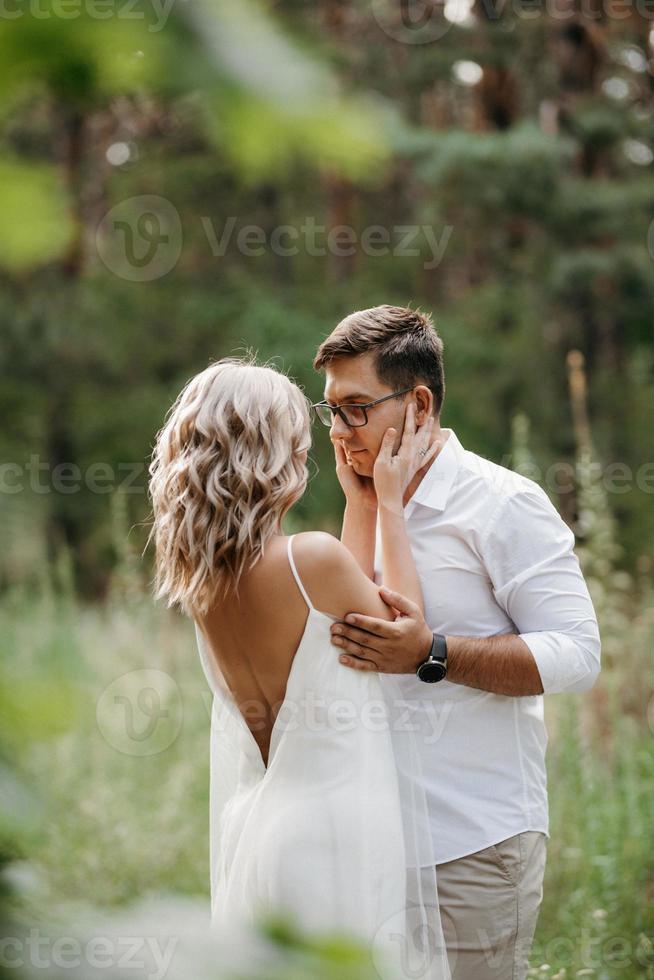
[(424, 404)]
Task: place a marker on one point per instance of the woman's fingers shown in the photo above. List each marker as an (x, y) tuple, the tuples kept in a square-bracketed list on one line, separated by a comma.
[(409, 433), (426, 433), (423, 434), (386, 448), (416, 448), (339, 452), (431, 452), (422, 450)]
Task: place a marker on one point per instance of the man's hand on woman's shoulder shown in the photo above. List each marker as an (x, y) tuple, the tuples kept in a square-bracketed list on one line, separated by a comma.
[(389, 647)]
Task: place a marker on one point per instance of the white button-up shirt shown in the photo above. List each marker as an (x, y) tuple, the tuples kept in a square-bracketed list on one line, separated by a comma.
[(493, 556)]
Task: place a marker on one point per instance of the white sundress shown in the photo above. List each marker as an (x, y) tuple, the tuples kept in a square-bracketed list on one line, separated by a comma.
[(333, 833)]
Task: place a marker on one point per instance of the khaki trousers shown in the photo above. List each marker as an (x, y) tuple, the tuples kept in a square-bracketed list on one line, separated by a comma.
[(489, 904)]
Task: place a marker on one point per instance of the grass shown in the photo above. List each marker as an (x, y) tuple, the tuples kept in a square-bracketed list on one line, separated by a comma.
[(109, 789)]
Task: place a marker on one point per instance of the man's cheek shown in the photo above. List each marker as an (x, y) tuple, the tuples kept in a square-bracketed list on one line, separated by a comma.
[(374, 449)]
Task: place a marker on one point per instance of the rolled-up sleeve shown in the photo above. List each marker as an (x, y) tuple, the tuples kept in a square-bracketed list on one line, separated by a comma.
[(537, 581)]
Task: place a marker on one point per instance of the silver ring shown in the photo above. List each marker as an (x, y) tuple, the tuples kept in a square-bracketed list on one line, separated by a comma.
[(422, 452)]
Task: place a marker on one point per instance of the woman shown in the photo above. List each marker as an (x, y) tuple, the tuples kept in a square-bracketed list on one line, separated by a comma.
[(307, 815)]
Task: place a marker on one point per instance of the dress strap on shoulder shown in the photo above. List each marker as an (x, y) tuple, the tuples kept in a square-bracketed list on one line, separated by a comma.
[(296, 575)]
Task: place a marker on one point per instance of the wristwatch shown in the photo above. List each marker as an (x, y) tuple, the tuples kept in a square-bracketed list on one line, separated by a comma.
[(434, 668)]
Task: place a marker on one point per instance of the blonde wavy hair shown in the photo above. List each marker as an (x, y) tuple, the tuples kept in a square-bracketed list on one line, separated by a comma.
[(226, 466)]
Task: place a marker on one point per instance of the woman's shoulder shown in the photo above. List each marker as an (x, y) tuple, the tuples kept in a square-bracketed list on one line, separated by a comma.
[(316, 550), (333, 578)]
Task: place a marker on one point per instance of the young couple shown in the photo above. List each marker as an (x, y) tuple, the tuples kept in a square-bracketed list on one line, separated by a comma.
[(426, 838)]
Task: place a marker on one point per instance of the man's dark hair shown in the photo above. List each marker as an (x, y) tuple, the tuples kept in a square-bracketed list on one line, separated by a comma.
[(407, 349)]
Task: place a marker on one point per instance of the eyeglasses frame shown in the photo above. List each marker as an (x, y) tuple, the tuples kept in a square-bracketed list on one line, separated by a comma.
[(338, 409)]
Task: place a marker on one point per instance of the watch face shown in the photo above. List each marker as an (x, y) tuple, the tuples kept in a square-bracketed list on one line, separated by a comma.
[(431, 672)]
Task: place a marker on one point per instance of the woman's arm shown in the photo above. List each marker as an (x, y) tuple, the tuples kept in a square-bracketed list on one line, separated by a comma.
[(392, 475), (333, 578), (358, 536), (360, 517), (398, 566)]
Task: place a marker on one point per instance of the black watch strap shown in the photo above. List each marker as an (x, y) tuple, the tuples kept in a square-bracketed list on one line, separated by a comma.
[(439, 647), (434, 668)]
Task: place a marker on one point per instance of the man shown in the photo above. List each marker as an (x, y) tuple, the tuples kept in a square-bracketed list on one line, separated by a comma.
[(508, 618)]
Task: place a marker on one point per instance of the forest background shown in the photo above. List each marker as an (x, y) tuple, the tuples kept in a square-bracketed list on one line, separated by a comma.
[(180, 181)]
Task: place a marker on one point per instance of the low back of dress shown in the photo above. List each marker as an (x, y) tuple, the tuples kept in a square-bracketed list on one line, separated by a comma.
[(320, 833)]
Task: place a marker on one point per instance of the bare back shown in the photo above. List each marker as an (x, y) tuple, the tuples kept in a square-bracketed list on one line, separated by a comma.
[(254, 637)]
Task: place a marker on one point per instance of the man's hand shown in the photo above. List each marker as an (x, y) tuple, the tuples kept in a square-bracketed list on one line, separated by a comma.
[(389, 648)]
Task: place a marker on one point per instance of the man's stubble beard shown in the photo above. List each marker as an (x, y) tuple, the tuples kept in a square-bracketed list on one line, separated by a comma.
[(364, 470)]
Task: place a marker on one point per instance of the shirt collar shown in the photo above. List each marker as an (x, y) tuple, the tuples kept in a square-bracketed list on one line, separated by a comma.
[(434, 488)]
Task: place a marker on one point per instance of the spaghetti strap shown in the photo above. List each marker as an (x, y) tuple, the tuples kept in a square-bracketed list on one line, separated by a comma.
[(296, 575)]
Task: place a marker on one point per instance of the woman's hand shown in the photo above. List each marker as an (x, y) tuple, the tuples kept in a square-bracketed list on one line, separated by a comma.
[(393, 474), (359, 490)]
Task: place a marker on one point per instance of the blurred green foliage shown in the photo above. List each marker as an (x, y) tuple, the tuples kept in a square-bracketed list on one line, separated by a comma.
[(499, 175), (109, 830), (512, 208)]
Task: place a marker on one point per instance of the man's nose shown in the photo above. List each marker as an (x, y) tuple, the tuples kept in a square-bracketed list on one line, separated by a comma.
[(339, 430)]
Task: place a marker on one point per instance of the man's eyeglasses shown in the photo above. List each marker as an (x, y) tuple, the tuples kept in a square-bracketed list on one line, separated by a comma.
[(353, 415)]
